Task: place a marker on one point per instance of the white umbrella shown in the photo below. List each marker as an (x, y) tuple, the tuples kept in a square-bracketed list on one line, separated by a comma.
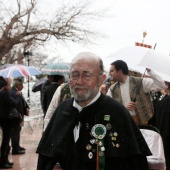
[(156, 61), (139, 58)]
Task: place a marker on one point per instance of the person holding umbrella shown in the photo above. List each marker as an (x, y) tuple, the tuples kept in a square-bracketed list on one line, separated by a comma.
[(133, 92), (45, 84), (51, 70), (50, 90)]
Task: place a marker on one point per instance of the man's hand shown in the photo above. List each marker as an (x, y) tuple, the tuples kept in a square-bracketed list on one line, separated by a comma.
[(148, 70), (57, 167), (27, 112), (130, 106)]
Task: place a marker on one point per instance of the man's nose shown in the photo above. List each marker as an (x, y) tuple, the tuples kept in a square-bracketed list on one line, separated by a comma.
[(80, 79)]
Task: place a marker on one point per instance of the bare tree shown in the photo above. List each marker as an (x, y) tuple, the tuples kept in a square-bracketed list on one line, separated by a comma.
[(24, 29), (39, 60)]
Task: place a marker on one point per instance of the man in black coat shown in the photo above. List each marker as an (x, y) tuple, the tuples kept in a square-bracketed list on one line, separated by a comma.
[(23, 109), (43, 87), (50, 90), (6, 124), (161, 121), (91, 130)]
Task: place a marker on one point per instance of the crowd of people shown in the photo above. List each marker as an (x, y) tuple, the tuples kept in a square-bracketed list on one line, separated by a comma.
[(90, 121), (132, 92)]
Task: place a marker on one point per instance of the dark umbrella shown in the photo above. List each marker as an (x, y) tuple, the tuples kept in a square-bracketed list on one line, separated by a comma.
[(38, 84)]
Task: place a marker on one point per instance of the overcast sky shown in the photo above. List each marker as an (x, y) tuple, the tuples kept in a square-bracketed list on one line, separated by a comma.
[(130, 18)]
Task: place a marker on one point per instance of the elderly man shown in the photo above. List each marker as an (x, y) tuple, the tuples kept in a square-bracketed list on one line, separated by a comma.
[(23, 108), (133, 92), (91, 130)]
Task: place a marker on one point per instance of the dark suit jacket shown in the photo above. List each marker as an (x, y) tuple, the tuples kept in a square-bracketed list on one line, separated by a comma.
[(43, 87), (20, 102), (6, 103), (57, 143), (48, 95)]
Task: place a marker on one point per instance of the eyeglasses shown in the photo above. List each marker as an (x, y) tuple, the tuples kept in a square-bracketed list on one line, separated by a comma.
[(85, 75)]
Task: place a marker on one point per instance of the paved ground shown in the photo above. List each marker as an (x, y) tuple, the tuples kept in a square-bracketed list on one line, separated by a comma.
[(30, 136), (27, 161)]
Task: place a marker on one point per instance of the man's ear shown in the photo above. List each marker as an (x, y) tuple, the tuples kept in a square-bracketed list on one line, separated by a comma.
[(120, 72)]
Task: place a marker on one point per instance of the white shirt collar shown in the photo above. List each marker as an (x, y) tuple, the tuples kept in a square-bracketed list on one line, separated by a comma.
[(76, 105), (126, 81)]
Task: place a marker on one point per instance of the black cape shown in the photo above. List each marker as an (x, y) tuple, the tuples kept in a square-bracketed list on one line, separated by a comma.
[(58, 140), (161, 120)]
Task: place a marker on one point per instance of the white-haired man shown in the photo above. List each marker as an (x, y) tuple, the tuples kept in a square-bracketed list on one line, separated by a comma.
[(91, 130)]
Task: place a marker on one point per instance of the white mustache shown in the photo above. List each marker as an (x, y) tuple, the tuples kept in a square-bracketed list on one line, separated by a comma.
[(81, 87)]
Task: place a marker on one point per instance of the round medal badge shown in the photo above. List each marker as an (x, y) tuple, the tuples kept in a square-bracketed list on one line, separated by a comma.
[(98, 131)]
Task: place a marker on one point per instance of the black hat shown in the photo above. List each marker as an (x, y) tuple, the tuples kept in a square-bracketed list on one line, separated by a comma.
[(2, 82)]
